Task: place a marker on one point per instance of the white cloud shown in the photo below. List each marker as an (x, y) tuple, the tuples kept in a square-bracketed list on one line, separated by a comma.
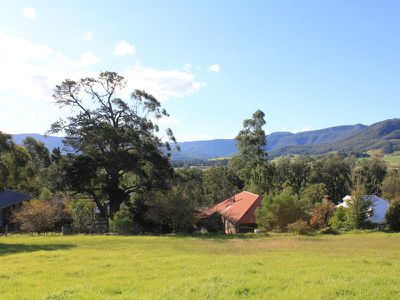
[(87, 36), (214, 68), (32, 70), (88, 59), (123, 48), (29, 13), (163, 84), (187, 67)]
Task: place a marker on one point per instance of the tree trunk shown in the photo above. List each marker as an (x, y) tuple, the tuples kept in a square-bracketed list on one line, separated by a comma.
[(116, 198)]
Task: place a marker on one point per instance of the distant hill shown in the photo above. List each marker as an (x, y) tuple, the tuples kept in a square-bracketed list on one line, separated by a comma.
[(51, 142), (383, 135), (358, 138)]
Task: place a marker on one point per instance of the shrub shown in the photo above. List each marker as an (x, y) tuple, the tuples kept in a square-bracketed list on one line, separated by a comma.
[(299, 227), (122, 222), (392, 217), (323, 211), (35, 216), (339, 220), (279, 211), (327, 230), (82, 213)]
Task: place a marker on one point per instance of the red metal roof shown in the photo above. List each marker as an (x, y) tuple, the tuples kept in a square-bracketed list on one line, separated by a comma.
[(239, 208)]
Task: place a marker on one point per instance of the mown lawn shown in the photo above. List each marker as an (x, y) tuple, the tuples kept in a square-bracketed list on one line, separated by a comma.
[(362, 266)]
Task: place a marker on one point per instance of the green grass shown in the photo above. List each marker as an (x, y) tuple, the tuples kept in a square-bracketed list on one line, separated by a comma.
[(393, 161), (361, 266)]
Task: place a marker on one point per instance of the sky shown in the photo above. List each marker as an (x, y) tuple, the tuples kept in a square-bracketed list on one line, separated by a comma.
[(306, 64)]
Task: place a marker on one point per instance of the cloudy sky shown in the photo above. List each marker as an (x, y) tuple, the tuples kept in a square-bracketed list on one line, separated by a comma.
[(306, 64)]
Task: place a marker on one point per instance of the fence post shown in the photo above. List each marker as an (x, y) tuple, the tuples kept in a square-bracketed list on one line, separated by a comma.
[(6, 230)]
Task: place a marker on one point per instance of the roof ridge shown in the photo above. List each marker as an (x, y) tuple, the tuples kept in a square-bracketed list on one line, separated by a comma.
[(250, 193)]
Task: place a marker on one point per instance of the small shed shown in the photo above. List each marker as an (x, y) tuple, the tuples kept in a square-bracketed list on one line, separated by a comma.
[(237, 212), (10, 199), (378, 207)]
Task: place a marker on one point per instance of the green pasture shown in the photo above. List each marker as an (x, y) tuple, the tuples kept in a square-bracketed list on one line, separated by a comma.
[(348, 266)]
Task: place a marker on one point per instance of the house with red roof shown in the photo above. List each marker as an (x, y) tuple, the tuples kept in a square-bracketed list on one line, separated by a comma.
[(237, 212)]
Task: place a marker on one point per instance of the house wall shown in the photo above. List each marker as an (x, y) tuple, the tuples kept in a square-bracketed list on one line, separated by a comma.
[(1, 218), (229, 228)]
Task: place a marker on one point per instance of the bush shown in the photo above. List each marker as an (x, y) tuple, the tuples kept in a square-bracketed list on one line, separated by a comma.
[(82, 213), (339, 220), (327, 230), (299, 227), (35, 216), (323, 211), (279, 211), (392, 217), (122, 222)]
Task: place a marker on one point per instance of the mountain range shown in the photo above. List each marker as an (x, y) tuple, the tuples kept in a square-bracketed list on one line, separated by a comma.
[(357, 138)]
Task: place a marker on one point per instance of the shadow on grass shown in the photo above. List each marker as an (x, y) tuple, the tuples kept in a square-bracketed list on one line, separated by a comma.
[(7, 249)]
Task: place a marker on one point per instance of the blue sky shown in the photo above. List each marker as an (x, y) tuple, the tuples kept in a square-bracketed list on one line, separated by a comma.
[(306, 64)]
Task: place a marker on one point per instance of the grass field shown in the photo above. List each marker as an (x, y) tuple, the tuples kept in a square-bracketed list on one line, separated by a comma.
[(361, 266)]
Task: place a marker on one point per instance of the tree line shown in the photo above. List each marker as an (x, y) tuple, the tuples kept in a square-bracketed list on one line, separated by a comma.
[(119, 164)]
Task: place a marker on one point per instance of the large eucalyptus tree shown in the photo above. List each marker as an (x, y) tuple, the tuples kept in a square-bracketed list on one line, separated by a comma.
[(116, 149)]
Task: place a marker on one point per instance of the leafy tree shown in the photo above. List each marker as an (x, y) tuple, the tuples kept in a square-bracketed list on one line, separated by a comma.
[(82, 213), (391, 185), (311, 195), (299, 172), (251, 163), (172, 210), (335, 172), (123, 223), (39, 153), (392, 217), (370, 174), (279, 211), (359, 208), (220, 183), (117, 150), (35, 216), (339, 219), (323, 212)]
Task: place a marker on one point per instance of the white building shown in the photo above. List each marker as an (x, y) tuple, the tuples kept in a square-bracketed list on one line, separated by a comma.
[(378, 208)]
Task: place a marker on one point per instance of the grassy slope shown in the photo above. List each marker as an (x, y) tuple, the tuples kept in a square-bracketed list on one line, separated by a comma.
[(362, 266)]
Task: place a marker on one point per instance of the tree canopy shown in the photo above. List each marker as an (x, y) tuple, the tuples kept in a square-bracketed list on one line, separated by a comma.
[(116, 147)]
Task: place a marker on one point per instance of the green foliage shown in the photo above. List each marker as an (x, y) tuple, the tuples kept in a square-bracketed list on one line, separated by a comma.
[(82, 213), (250, 163), (392, 217), (359, 209), (118, 151), (300, 227), (322, 213), (339, 220), (334, 171), (311, 195), (279, 211), (391, 185), (219, 183), (123, 223), (370, 174)]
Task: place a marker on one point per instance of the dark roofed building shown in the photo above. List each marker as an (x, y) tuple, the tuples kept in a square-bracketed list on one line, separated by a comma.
[(237, 212), (10, 199)]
